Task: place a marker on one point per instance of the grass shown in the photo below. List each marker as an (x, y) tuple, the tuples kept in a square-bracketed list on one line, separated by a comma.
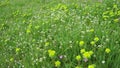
[(52, 33)]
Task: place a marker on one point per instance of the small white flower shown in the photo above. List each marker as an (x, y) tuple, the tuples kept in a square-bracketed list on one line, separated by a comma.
[(103, 62), (41, 59), (107, 40)]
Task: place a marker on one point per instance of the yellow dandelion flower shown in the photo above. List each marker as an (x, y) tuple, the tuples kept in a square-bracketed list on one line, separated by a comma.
[(17, 49), (78, 57), (82, 50), (57, 64), (51, 53), (92, 43), (78, 67), (47, 43), (11, 59), (28, 31), (107, 50), (81, 43), (114, 6), (91, 66), (91, 52), (87, 54), (96, 39)]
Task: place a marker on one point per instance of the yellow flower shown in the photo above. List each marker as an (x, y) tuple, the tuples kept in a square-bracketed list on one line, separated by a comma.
[(107, 50), (47, 43), (81, 43), (91, 52), (91, 66), (82, 50), (51, 53), (78, 67), (28, 31), (87, 54), (78, 58), (96, 39), (114, 6), (57, 64), (92, 43), (11, 59), (17, 49)]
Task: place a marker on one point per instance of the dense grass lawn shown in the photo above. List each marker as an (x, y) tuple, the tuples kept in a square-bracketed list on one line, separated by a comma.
[(59, 34)]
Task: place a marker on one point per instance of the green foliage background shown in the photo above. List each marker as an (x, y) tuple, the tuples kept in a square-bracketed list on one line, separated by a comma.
[(29, 28)]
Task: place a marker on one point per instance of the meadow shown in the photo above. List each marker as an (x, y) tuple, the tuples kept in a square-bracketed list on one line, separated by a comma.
[(59, 34)]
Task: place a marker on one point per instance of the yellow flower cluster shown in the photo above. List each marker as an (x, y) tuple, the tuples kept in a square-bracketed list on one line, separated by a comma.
[(47, 43), (107, 50), (28, 31), (92, 43), (78, 67), (96, 39), (82, 51), (11, 59), (91, 66), (78, 57), (87, 54), (51, 53), (81, 43), (17, 49), (57, 64)]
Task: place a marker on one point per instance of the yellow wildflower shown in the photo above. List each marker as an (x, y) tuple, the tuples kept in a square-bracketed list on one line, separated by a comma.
[(78, 67), (82, 50), (81, 43), (51, 53), (11, 59), (96, 39), (17, 49), (57, 64), (91, 66), (114, 6), (87, 54), (107, 50), (91, 52), (47, 43), (78, 57), (28, 31), (92, 43)]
